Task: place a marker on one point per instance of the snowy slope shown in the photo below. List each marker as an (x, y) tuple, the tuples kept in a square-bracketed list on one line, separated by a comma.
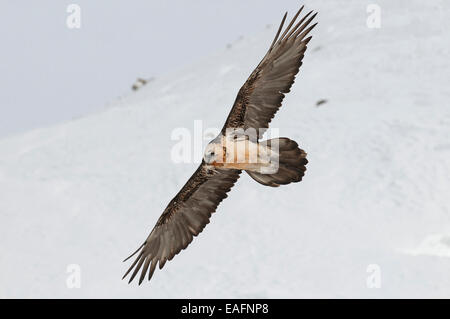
[(87, 192)]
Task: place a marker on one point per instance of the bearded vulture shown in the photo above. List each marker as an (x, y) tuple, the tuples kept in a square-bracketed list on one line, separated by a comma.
[(238, 147)]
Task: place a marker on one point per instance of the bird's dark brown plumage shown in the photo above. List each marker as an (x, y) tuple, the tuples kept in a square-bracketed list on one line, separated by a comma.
[(185, 217), (262, 94)]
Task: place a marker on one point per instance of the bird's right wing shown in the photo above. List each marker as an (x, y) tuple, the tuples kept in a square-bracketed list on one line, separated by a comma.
[(185, 217)]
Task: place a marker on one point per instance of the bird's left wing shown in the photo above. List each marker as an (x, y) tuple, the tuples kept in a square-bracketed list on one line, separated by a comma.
[(185, 217), (262, 94)]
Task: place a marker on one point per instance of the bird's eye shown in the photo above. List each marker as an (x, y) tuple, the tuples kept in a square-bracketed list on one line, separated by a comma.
[(212, 153)]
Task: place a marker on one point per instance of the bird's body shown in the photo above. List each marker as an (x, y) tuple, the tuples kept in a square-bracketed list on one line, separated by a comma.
[(241, 153), (237, 148)]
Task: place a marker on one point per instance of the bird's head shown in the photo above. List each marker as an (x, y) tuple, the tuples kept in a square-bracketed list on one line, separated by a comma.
[(213, 154)]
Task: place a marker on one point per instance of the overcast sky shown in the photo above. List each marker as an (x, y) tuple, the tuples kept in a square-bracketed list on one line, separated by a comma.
[(50, 73)]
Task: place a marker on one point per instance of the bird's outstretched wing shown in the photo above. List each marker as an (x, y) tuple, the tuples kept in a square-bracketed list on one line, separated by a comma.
[(185, 217), (262, 94)]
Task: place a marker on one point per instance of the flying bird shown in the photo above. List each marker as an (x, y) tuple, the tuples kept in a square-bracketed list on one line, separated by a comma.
[(238, 147)]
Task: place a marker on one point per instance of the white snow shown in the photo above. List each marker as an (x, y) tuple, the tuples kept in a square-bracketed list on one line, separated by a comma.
[(376, 191)]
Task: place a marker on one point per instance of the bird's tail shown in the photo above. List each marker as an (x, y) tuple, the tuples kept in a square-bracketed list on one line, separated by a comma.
[(291, 164)]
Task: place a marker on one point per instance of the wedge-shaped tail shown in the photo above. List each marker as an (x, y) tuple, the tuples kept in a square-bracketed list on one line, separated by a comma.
[(291, 166)]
